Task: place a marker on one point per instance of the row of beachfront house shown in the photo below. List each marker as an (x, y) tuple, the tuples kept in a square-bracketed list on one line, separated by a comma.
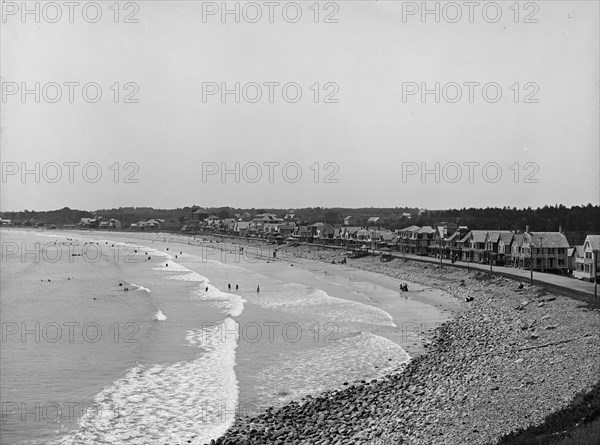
[(541, 251), (97, 222), (151, 224)]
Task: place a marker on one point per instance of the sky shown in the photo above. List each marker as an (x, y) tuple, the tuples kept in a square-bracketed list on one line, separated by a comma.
[(329, 111)]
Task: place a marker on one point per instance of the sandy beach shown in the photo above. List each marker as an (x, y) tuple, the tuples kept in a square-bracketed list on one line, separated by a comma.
[(488, 355)]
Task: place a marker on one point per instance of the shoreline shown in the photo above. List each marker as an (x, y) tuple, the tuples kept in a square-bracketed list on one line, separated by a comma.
[(516, 355)]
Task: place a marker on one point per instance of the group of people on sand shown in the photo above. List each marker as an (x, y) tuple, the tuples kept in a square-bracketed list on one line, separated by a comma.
[(237, 287), (404, 287)]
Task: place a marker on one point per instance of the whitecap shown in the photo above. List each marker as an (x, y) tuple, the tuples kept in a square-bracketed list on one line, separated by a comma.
[(159, 316), (141, 287)]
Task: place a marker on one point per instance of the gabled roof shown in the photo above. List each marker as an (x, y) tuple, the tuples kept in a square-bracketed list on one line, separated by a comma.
[(373, 219), (267, 217), (576, 250), (506, 237), (495, 235), (410, 229), (426, 229), (478, 235), (518, 239), (347, 218), (454, 236), (547, 239), (389, 236), (594, 241), (352, 230)]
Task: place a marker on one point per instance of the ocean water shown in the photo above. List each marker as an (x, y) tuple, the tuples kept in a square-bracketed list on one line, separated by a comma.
[(133, 339)]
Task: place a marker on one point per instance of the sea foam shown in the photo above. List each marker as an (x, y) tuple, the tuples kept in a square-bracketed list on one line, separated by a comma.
[(191, 401)]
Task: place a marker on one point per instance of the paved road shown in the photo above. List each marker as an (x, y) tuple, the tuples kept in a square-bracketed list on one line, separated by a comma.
[(551, 280)]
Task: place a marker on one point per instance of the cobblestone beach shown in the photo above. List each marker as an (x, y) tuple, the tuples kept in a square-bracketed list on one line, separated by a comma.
[(515, 355)]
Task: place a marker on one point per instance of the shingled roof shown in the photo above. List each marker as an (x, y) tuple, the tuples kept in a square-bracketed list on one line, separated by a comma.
[(547, 239), (478, 236), (495, 235), (410, 229), (594, 241)]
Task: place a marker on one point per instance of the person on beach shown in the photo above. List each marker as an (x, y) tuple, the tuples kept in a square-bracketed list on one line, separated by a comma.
[(229, 286), (236, 287), (206, 288), (258, 288)]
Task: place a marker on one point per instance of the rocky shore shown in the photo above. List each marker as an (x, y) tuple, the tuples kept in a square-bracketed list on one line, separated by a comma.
[(517, 354)]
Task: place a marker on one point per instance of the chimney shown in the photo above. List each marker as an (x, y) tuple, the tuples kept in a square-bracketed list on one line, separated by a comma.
[(559, 229), (526, 229)]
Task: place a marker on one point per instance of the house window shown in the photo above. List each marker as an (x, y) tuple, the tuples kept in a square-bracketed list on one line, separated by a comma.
[(561, 262)]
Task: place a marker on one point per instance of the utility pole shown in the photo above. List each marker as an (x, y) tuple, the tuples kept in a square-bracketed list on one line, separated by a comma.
[(531, 264), (440, 251), (542, 252), (595, 255)]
